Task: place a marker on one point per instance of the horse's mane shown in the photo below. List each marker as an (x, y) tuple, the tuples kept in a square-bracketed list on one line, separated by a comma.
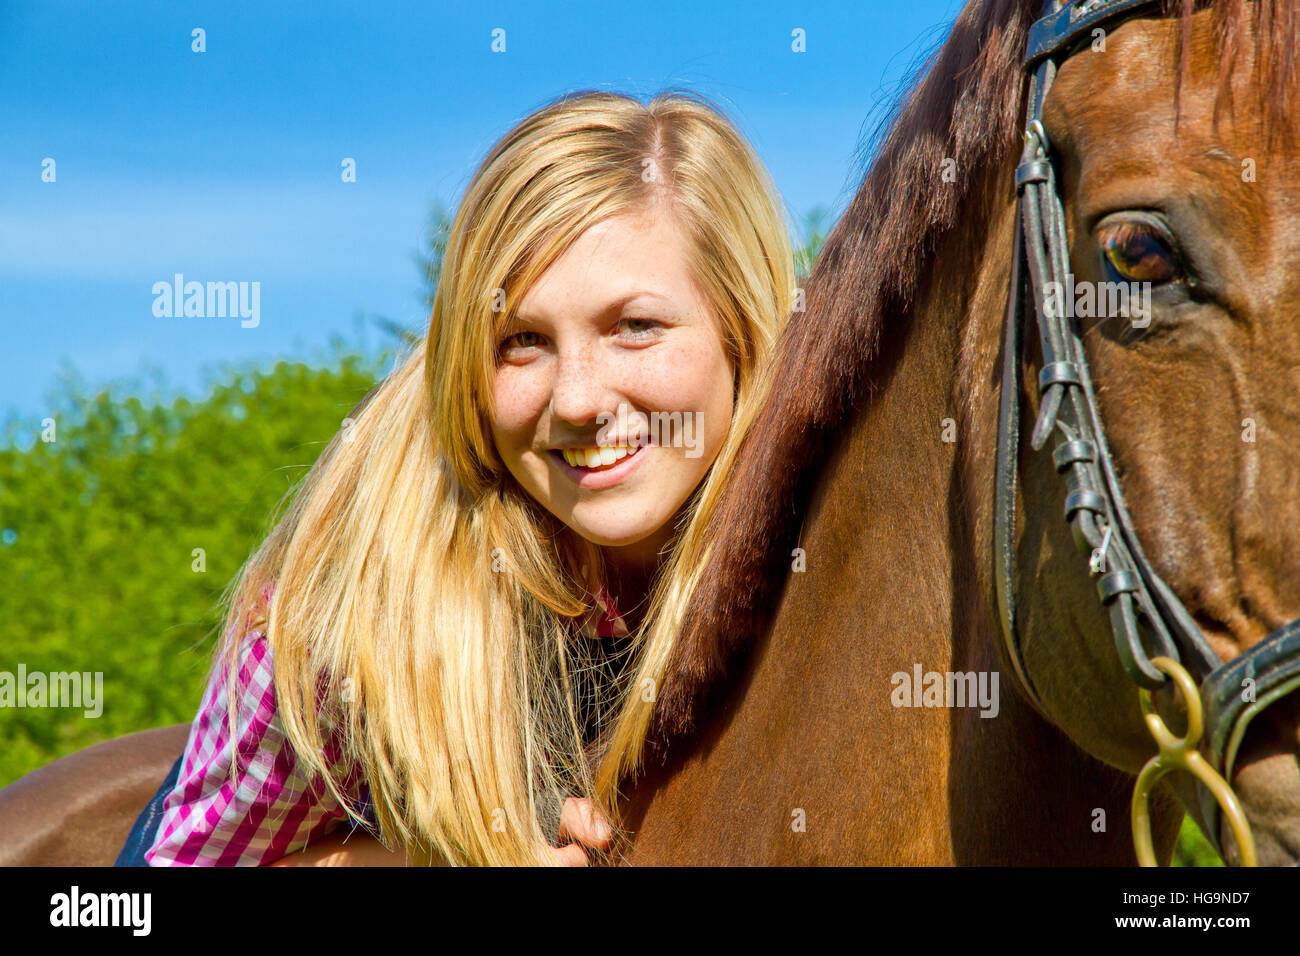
[(967, 107)]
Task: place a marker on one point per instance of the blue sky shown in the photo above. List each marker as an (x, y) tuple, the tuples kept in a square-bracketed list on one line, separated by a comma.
[(225, 165)]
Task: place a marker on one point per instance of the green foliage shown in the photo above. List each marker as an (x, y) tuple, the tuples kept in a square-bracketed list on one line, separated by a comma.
[(99, 528), (1192, 848), (805, 253)]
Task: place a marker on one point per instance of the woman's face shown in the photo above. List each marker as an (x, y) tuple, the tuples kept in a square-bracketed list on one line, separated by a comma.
[(614, 346)]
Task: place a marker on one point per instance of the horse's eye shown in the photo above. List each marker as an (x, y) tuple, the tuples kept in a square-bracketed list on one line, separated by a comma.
[(1137, 252)]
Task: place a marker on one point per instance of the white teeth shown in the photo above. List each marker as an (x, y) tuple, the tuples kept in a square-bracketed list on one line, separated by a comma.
[(595, 457)]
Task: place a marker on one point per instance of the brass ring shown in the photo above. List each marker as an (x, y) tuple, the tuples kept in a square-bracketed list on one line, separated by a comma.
[(1180, 753)]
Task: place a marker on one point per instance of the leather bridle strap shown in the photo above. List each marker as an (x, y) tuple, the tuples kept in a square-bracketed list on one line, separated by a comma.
[(1004, 509), (1056, 34), (1041, 230)]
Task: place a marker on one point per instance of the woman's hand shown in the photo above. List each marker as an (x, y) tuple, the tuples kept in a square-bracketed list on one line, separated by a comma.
[(579, 821)]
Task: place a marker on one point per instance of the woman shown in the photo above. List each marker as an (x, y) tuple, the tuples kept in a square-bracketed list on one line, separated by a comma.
[(456, 599)]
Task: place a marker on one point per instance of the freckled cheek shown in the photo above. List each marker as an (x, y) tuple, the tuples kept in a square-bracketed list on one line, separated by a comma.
[(712, 386), (685, 379), (519, 400)]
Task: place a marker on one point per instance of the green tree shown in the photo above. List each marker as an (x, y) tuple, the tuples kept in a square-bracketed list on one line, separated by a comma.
[(805, 253), (118, 536)]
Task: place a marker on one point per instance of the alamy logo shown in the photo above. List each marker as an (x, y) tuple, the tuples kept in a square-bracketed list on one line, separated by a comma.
[(213, 300), (56, 689), (1091, 300), (946, 689), (102, 909), (665, 429)]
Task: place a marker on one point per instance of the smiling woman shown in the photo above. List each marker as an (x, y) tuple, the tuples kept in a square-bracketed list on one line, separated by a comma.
[(442, 600), (580, 360)]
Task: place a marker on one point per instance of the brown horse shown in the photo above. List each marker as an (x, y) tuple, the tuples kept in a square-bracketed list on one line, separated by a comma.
[(779, 741), (856, 541)]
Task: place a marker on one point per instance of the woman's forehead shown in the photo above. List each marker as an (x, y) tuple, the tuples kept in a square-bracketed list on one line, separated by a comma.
[(615, 261)]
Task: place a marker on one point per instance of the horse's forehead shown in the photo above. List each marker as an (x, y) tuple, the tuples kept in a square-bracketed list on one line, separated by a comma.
[(1118, 97)]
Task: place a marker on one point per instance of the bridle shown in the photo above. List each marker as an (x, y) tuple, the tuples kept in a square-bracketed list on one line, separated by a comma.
[(1155, 637)]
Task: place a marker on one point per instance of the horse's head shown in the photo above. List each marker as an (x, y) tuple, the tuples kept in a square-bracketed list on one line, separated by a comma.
[(1194, 188)]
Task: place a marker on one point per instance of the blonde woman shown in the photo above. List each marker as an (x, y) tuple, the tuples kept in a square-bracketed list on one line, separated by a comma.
[(496, 544)]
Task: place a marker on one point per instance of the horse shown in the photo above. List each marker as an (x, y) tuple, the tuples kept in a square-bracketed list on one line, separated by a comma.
[(869, 530), (887, 523)]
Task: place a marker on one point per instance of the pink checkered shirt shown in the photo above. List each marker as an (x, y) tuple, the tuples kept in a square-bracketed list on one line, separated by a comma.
[(271, 810)]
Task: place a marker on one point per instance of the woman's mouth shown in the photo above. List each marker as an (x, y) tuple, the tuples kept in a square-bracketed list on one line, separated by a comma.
[(598, 467)]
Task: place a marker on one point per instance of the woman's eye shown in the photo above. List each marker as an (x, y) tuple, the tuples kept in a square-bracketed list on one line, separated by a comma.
[(641, 328), (522, 340), (1136, 252)]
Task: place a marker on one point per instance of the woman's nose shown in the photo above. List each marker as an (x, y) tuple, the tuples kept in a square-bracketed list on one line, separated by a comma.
[(581, 389)]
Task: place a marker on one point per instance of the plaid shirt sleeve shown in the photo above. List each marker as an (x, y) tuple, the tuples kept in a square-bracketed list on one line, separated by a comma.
[(271, 810)]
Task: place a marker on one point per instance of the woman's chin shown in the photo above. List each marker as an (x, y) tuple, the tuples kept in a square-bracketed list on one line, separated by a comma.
[(613, 534)]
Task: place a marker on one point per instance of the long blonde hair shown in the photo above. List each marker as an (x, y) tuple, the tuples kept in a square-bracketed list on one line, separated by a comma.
[(423, 603)]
